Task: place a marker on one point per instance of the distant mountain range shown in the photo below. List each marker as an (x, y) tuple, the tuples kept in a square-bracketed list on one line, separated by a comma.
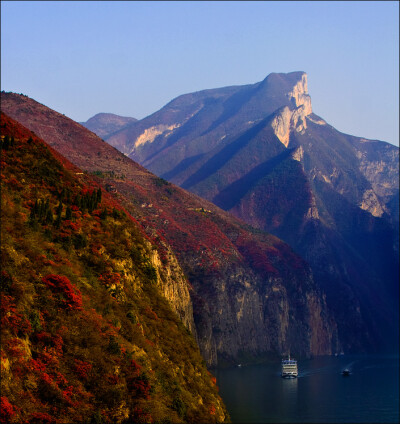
[(259, 152), (250, 294), (105, 124), (282, 237)]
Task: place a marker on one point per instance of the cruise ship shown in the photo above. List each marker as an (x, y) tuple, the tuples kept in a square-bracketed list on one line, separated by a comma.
[(289, 368)]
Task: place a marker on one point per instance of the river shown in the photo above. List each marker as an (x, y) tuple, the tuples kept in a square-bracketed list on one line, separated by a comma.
[(320, 394)]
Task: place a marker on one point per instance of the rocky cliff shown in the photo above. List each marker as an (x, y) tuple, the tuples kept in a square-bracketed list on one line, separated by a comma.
[(260, 152), (288, 119), (251, 294), (86, 333)]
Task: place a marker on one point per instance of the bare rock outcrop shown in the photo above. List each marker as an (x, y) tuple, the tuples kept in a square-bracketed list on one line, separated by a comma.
[(292, 118)]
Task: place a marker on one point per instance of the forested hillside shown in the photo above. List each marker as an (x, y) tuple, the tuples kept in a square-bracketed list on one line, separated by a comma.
[(86, 333)]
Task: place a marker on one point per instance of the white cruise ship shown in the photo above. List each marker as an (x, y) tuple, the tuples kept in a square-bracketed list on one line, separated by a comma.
[(289, 368)]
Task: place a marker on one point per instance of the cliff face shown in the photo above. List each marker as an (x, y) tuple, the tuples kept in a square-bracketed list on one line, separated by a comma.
[(379, 163), (251, 294), (248, 316), (174, 286), (85, 329), (259, 152), (294, 118)]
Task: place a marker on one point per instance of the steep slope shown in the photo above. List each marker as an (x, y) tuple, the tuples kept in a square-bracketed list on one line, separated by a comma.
[(87, 334), (105, 124), (251, 294), (259, 152)]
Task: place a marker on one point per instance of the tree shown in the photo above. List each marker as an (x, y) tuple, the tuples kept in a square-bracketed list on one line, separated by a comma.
[(68, 213)]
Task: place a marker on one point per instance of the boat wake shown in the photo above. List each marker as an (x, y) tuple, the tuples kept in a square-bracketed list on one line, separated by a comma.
[(349, 366)]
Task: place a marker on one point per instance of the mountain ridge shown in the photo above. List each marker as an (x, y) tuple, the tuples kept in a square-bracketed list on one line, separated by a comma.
[(236, 141), (239, 276), (88, 333), (104, 124)]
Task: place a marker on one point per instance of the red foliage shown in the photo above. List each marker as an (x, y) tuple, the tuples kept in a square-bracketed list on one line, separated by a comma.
[(139, 387), (47, 379), (7, 410), (43, 337), (45, 261), (137, 383), (15, 184), (82, 368), (14, 348), (41, 418), (48, 357), (68, 394), (110, 278), (135, 368), (37, 366), (12, 319), (68, 228), (113, 379), (95, 248), (256, 255), (58, 342), (72, 298)]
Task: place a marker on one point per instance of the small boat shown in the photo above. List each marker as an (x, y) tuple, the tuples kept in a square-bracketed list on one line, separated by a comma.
[(346, 372), (289, 368)]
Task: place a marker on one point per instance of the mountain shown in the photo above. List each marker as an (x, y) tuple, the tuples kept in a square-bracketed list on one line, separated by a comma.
[(89, 329), (251, 295), (104, 124), (259, 152)]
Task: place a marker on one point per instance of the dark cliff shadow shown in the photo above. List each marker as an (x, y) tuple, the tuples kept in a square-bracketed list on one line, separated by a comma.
[(224, 155), (232, 194), (181, 167), (232, 106)]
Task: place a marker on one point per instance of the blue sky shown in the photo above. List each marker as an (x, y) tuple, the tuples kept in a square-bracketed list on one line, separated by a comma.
[(131, 57)]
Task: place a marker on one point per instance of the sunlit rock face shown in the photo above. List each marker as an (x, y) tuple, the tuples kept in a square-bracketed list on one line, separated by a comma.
[(289, 119), (260, 152), (175, 288), (239, 291), (282, 124)]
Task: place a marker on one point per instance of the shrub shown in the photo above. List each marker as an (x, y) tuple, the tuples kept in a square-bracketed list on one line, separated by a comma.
[(150, 272), (6, 409), (79, 241), (6, 282), (41, 418), (179, 406), (113, 346), (82, 368), (131, 316), (71, 297)]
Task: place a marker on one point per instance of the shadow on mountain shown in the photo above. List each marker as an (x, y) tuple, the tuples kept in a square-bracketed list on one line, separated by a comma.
[(224, 155), (232, 194), (232, 106), (181, 167)]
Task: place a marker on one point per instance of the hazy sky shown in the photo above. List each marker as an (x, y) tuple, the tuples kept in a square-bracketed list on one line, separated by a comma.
[(131, 58)]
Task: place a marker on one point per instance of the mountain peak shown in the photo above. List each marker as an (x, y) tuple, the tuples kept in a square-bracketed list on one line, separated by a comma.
[(292, 118), (103, 124), (299, 94)]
